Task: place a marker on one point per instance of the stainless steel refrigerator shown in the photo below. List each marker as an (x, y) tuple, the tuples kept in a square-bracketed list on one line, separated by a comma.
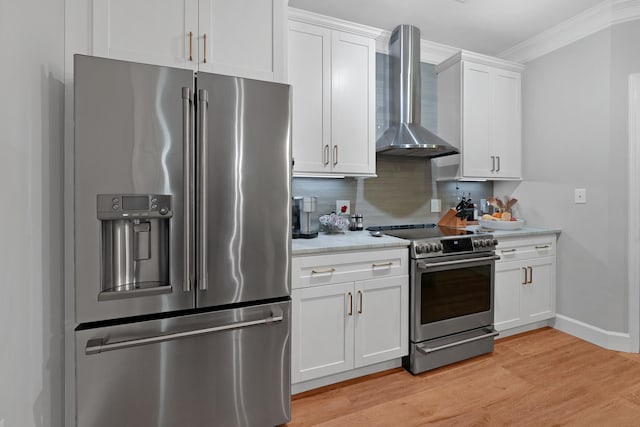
[(181, 247)]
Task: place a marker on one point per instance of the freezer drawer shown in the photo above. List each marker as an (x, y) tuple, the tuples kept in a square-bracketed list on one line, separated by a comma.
[(227, 368)]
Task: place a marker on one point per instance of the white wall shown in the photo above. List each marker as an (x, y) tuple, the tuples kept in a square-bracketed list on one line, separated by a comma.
[(574, 135), (31, 223)]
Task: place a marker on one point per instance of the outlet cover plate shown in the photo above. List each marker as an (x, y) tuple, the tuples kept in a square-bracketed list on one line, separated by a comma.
[(436, 205), (580, 195), (340, 204)]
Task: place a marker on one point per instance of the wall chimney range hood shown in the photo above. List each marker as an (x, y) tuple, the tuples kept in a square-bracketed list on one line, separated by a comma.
[(405, 135)]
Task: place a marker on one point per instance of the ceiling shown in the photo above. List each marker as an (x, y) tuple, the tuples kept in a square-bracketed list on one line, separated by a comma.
[(483, 26)]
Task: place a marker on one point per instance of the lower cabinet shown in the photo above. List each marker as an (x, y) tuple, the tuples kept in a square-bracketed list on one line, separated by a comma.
[(525, 281), (343, 326)]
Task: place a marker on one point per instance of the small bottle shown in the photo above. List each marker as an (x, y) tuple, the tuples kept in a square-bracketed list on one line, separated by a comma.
[(359, 222), (353, 223)]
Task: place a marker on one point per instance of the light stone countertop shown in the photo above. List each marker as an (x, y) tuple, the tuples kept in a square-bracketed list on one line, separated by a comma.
[(362, 240), (347, 241), (522, 232)]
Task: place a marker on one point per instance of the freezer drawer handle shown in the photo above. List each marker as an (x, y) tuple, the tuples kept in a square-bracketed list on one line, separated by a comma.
[(99, 345), (490, 333)]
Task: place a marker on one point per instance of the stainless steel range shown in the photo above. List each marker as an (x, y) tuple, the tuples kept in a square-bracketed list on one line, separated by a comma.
[(451, 294)]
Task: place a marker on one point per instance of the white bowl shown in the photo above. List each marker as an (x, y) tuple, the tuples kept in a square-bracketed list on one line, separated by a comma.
[(501, 225)]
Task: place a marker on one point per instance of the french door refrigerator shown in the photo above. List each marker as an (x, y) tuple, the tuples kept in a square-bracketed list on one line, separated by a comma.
[(182, 186)]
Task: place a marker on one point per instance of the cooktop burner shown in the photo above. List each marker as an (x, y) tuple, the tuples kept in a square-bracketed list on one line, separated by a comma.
[(419, 231)]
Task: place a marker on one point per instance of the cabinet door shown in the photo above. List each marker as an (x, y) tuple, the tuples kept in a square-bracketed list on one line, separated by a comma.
[(506, 128), (381, 312), (146, 31), (322, 331), (352, 104), (538, 295), (243, 38), (476, 113), (310, 76), (509, 280)]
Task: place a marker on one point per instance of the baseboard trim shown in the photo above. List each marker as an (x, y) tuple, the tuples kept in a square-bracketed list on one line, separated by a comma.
[(618, 341), (344, 376), (525, 328)]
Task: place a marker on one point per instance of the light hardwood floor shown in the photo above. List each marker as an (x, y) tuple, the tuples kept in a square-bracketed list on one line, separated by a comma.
[(541, 378)]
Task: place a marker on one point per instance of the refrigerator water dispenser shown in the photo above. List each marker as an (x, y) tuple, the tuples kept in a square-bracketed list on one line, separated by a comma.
[(134, 245)]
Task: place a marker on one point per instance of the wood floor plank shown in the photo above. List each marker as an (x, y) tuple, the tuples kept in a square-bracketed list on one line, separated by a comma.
[(542, 378)]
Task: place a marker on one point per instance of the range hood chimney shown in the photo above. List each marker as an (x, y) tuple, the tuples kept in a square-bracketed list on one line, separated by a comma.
[(405, 136)]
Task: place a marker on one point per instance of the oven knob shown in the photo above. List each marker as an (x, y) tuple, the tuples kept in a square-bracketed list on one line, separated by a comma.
[(495, 242), (419, 249), (438, 247), (490, 243), (476, 243)]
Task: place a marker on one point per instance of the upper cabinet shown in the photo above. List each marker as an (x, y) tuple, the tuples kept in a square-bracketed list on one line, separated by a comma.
[(242, 37), (479, 111), (332, 72)]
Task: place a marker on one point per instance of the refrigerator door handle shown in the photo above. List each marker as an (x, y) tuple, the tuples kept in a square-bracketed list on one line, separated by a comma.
[(187, 141), (203, 101), (100, 345)]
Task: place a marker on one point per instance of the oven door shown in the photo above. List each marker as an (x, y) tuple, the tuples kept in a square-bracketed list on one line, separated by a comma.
[(451, 294)]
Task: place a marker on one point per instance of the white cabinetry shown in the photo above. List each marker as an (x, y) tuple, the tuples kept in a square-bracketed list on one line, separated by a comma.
[(479, 111), (525, 290), (332, 72), (350, 310), (241, 37)]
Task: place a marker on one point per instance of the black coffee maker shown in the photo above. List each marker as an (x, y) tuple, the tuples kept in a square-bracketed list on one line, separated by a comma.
[(301, 210)]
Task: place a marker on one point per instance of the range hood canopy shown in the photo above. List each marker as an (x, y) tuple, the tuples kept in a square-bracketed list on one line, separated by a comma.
[(405, 135)]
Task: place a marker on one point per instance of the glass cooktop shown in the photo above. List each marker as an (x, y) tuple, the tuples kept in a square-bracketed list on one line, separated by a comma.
[(419, 231)]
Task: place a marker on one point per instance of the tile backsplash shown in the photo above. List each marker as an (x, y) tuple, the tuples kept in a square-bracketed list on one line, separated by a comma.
[(401, 193)]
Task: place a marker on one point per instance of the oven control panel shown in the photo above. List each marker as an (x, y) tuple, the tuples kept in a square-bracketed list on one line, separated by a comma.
[(453, 245)]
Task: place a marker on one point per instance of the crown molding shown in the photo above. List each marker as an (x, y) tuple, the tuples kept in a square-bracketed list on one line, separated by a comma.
[(334, 23), (478, 58), (598, 18), (626, 10), (430, 52)]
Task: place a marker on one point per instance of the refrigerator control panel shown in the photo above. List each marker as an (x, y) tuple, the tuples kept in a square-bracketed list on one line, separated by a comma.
[(132, 206)]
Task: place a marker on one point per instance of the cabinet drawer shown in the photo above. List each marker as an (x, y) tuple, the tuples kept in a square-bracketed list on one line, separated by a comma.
[(511, 249), (316, 270)]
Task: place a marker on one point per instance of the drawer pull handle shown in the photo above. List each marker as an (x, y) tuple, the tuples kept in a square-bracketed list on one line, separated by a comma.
[(385, 264), (350, 304), (360, 309), (543, 246), (508, 250), (328, 270), (530, 275), (525, 281)]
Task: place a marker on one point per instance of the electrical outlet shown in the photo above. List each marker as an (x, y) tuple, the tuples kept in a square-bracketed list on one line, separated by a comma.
[(580, 195), (343, 204), (436, 205)]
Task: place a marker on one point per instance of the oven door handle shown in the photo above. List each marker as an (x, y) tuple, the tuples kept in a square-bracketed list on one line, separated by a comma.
[(424, 265), (426, 350)]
